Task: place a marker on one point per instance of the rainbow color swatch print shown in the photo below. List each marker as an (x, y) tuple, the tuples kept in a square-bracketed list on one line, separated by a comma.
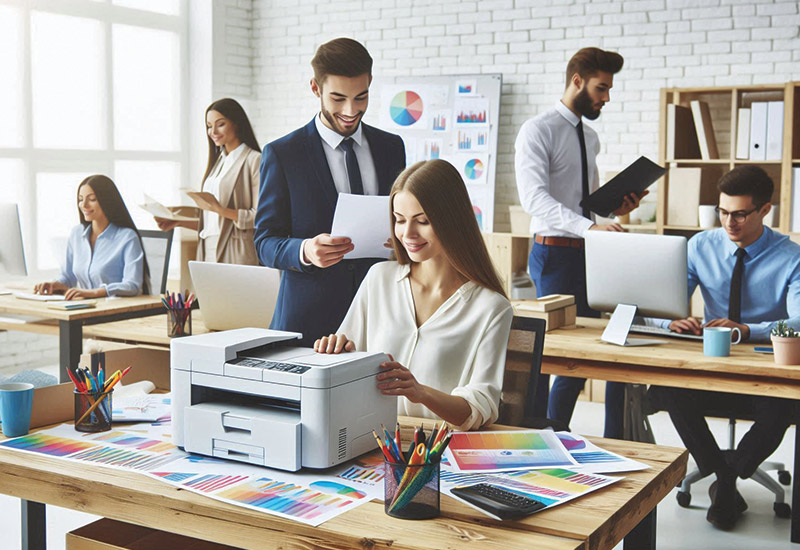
[(504, 451)]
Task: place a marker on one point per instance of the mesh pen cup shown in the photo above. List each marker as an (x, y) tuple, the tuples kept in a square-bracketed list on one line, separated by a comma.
[(93, 411), (179, 322), (411, 491)]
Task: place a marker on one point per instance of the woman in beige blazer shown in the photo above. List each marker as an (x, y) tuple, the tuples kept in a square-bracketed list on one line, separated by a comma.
[(229, 195)]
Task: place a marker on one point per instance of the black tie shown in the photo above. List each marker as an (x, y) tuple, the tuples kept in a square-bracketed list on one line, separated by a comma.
[(353, 171), (735, 302), (584, 168)]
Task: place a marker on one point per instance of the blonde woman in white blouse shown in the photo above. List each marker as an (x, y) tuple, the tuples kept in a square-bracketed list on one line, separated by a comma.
[(439, 311)]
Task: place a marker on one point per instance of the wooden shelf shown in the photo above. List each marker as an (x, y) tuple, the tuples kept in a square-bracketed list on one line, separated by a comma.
[(686, 228), (700, 161), (649, 226), (724, 103)]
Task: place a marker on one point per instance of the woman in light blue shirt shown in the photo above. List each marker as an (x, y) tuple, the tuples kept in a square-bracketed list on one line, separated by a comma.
[(105, 256)]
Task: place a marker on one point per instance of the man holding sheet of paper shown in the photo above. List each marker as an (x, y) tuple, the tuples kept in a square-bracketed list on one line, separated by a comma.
[(302, 175)]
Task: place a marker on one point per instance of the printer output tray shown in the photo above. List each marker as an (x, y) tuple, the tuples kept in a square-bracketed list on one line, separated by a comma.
[(256, 435)]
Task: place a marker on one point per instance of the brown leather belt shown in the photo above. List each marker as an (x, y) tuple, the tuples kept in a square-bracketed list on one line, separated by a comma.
[(559, 241)]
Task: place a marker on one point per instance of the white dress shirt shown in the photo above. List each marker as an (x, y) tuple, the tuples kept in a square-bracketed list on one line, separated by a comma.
[(460, 349), (335, 155), (336, 162), (211, 220), (547, 162)]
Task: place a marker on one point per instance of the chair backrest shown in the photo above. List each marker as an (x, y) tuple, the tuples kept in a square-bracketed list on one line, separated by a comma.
[(519, 405), (157, 248)]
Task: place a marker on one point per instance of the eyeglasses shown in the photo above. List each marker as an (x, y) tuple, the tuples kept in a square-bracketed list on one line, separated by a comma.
[(738, 216)]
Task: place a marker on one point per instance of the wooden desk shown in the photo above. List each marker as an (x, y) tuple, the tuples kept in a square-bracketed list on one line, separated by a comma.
[(596, 521), (677, 363), (69, 324), (144, 330)]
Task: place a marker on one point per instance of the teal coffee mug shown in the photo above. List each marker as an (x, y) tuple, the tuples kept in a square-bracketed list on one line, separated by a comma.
[(717, 340), (16, 402)]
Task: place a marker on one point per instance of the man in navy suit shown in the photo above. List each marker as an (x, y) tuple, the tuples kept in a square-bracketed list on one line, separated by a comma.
[(302, 174)]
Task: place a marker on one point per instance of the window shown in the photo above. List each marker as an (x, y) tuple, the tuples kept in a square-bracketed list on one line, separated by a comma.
[(90, 87)]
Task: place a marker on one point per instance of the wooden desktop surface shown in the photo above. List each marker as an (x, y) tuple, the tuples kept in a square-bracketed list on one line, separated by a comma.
[(593, 522), (103, 306), (143, 330), (679, 363)]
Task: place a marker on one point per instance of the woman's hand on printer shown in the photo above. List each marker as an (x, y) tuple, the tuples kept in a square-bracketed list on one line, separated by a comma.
[(335, 343), (395, 379)]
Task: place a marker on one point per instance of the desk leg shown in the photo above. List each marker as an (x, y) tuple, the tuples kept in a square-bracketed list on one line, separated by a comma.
[(795, 534), (643, 536), (70, 345), (34, 530)]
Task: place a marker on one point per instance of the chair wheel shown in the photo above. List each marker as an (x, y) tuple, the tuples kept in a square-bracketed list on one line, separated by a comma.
[(782, 510), (784, 477), (685, 499)]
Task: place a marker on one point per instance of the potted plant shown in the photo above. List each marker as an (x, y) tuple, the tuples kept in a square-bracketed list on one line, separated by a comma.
[(786, 343)]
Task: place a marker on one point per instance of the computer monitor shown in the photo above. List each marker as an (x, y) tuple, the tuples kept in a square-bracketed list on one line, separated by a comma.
[(645, 271), (235, 296), (12, 252)]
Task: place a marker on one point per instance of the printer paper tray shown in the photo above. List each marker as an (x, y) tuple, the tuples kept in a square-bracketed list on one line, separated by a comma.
[(256, 435)]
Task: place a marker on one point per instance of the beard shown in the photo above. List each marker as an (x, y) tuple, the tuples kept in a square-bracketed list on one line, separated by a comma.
[(336, 125), (585, 106)]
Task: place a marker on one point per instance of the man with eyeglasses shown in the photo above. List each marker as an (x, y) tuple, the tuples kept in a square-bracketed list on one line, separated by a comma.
[(749, 276)]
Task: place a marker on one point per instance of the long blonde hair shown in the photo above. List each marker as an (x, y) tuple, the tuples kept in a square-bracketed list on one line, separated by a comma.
[(441, 193)]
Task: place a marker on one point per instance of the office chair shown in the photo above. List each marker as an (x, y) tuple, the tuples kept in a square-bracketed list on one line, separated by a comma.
[(524, 400), (157, 246), (684, 496)]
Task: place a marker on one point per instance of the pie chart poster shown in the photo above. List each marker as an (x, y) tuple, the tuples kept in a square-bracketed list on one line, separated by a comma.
[(406, 108)]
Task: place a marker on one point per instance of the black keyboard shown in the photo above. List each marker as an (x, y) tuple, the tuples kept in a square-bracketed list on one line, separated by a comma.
[(498, 501)]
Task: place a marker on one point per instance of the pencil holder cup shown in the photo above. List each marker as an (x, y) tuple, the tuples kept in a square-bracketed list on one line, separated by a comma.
[(93, 411), (179, 322), (411, 492)]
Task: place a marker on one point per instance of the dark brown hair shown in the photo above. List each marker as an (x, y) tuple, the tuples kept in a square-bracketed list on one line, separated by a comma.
[(230, 109), (115, 210), (748, 180), (341, 57), (441, 193), (587, 62)]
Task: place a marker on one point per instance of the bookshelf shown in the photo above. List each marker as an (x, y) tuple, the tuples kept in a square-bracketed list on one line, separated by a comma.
[(723, 106)]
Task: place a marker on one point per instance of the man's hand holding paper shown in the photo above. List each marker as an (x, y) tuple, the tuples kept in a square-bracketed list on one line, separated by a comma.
[(365, 220)]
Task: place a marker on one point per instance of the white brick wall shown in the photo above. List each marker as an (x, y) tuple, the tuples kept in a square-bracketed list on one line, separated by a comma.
[(664, 42)]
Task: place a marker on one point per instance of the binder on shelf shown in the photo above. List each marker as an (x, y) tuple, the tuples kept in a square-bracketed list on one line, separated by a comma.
[(743, 134), (758, 130), (705, 130), (681, 136), (683, 196), (774, 130), (795, 225)]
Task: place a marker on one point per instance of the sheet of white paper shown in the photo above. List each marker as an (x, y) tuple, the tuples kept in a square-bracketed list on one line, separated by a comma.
[(365, 219), (160, 211)]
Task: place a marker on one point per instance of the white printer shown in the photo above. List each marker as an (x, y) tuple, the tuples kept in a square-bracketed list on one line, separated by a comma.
[(249, 395)]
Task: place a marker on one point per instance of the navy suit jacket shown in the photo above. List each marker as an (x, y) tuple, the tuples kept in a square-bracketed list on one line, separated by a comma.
[(296, 201)]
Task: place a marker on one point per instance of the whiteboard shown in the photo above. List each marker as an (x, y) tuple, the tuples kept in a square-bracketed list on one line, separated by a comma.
[(454, 118)]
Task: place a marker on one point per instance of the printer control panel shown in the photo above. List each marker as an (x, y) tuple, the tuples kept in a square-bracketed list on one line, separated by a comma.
[(269, 365)]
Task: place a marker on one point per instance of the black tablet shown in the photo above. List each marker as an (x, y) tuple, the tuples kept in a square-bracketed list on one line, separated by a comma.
[(634, 179)]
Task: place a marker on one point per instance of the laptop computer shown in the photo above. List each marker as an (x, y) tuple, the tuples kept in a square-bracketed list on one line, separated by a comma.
[(235, 296)]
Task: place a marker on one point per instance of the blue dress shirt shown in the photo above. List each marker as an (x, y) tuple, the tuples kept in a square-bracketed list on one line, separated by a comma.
[(116, 264), (770, 286)]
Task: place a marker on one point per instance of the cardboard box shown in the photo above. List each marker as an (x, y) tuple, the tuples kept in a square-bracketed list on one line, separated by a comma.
[(564, 317), (107, 534), (149, 363)]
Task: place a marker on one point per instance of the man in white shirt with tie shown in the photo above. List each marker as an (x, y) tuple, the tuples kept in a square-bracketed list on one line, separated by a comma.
[(556, 168)]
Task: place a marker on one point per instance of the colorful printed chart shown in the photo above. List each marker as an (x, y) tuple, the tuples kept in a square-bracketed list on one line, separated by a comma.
[(593, 459), (406, 108), (473, 169), (504, 451), (478, 215)]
